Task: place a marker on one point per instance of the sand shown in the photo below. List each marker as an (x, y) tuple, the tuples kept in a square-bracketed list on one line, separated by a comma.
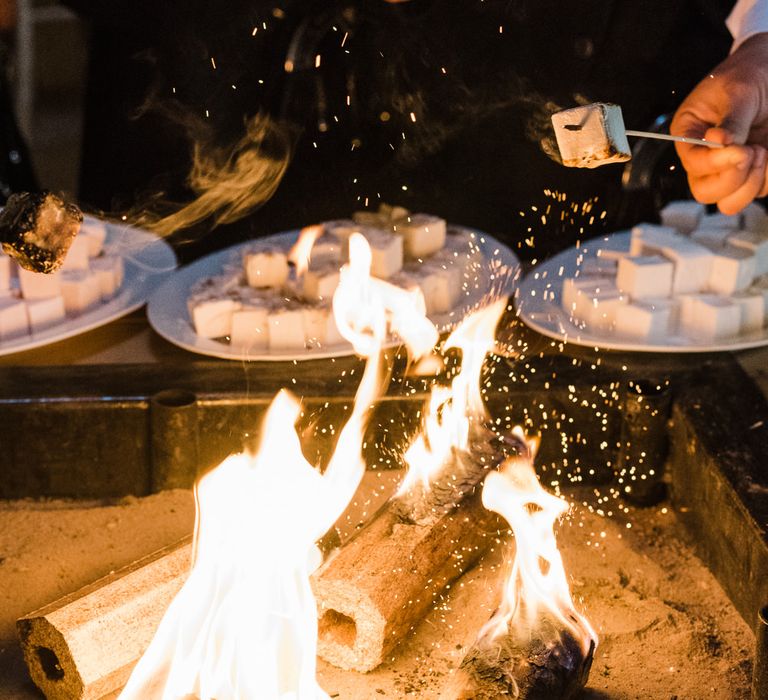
[(666, 628)]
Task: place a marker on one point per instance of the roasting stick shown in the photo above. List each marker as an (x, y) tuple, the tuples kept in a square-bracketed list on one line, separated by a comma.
[(669, 137)]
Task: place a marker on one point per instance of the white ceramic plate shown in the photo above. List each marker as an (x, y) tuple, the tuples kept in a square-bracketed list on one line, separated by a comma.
[(538, 300), (169, 316), (148, 260)]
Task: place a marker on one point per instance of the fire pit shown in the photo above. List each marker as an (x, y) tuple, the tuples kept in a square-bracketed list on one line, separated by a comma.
[(589, 456)]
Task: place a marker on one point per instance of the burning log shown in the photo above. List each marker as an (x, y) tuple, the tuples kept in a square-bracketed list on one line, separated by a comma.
[(84, 645), (549, 664), (536, 646), (377, 588)]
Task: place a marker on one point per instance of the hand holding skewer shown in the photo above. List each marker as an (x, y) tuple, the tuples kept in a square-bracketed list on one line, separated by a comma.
[(730, 106)]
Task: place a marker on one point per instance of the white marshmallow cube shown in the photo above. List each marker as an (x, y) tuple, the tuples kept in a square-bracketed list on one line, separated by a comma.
[(649, 239), (5, 272), (44, 313), (598, 267), (755, 242), (109, 270), (711, 237), (266, 267), (440, 284), (733, 270), (37, 285), (386, 252), (692, 266), (13, 318), (320, 327), (754, 217), (597, 308), (752, 305), (645, 276), (212, 318), (710, 317), (250, 328), (286, 329), (320, 282), (683, 215), (573, 287), (644, 320), (591, 135), (731, 222), (77, 255), (423, 234), (95, 232)]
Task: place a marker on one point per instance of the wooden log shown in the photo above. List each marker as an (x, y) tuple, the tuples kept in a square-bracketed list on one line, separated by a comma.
[(546, 663), (376, 589), (85, 645)]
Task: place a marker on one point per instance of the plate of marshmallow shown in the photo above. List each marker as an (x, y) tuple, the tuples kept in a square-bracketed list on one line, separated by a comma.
[(109, 270), (271, 298), (696, 282)]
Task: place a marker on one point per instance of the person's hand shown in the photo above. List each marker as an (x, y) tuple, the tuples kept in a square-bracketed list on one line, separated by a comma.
[(730, 106)]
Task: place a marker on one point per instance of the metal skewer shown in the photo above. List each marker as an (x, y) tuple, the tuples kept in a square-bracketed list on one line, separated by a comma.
[(667, 137)]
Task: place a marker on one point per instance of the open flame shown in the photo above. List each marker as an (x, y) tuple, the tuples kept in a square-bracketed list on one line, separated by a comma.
[(538, 582), (301, 252), (244, 625), (452, 409)]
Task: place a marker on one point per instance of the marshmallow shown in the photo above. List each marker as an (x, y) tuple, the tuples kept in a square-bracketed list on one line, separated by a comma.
[(77, 255), (755, 242), (250, 328), (711, 237), (320, 327), (13, 318), (320, 282), (422, 234), (598, 267), (645, 320), (386, 252), (286, 329), (591, 135), (645, 276), (649, 239), (108, 269), (692, 266), (728, 221), (597, 307), (212, 318), (44, 313), (754, 217), (266, 267), (5, 272), (440, 284), (37, 285), (683, 215), (710, 317), (573, 287), (752, 305), (733, 270), (95, 232)]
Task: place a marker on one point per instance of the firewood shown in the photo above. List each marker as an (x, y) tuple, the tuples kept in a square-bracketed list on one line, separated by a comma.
[(377, 588), (85, 645), (545, 663), (382, 582)]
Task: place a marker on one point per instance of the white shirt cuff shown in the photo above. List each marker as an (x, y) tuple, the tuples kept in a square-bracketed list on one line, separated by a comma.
[(748, 17)]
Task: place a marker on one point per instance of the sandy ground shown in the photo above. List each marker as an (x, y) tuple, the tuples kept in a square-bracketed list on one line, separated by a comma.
[(667, 631)]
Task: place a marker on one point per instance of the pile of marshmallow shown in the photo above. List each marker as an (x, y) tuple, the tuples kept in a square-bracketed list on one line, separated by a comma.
[(700, 276), (264, 303), (31, 302)]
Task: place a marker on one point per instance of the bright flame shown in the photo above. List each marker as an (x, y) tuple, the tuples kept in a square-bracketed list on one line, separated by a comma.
[(244, 625), (301, 253), (452, 409), (538, 581)]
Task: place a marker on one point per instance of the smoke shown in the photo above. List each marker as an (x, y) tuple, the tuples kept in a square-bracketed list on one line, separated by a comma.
[(229, 182)]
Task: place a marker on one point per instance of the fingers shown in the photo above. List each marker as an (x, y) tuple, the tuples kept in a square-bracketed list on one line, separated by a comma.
[(751, 187), (721, 182), (700, 161)]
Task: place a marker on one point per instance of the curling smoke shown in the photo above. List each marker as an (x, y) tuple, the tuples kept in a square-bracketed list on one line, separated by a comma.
[(231, 182)]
